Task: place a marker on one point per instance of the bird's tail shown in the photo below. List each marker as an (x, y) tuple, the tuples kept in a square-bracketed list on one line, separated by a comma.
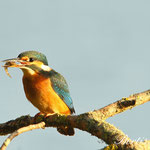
[(65, 130)]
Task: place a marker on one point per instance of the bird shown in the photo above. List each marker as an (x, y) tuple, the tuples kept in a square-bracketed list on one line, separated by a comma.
[(45, 88)]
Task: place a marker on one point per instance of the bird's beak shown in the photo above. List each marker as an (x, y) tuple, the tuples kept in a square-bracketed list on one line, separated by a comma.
[(14, 62)]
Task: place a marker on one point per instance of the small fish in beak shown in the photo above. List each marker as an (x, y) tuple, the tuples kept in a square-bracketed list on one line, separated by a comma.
[(7, 65), (10, 63)]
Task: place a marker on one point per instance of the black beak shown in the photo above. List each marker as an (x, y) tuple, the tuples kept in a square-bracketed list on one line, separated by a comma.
[(13, 62)]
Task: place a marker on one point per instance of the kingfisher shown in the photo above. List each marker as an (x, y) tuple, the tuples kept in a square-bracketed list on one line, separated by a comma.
[(45, 88)]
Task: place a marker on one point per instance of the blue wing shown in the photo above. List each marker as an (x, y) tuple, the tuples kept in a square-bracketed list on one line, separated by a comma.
[(60, 86)]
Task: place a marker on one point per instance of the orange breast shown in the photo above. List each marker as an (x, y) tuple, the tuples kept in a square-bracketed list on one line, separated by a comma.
[(40, 93)]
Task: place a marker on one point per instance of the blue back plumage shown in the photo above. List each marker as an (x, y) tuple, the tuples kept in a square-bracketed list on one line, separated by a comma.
[(60, 86)]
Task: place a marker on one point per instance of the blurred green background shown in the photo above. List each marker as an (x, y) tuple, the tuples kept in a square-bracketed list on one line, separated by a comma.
[(101, 47)]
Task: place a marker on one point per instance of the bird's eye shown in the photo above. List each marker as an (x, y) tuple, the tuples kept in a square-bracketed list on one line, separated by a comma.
[(31, 59)]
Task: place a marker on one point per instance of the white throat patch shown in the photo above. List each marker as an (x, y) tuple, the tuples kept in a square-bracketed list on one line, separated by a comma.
[(45, 68)]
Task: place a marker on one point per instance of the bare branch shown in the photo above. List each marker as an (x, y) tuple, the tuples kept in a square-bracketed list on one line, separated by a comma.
[(92, 122), (19, 131), (121, 105)]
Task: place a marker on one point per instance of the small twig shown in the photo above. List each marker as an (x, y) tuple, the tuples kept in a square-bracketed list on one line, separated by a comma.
[(19, 131)]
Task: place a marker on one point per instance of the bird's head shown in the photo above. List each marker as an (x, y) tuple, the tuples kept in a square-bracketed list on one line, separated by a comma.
[(30, 62)]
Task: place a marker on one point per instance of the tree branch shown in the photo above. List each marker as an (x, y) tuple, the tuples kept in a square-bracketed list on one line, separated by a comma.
[(19, 131), (121, 105), (92, 122)]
